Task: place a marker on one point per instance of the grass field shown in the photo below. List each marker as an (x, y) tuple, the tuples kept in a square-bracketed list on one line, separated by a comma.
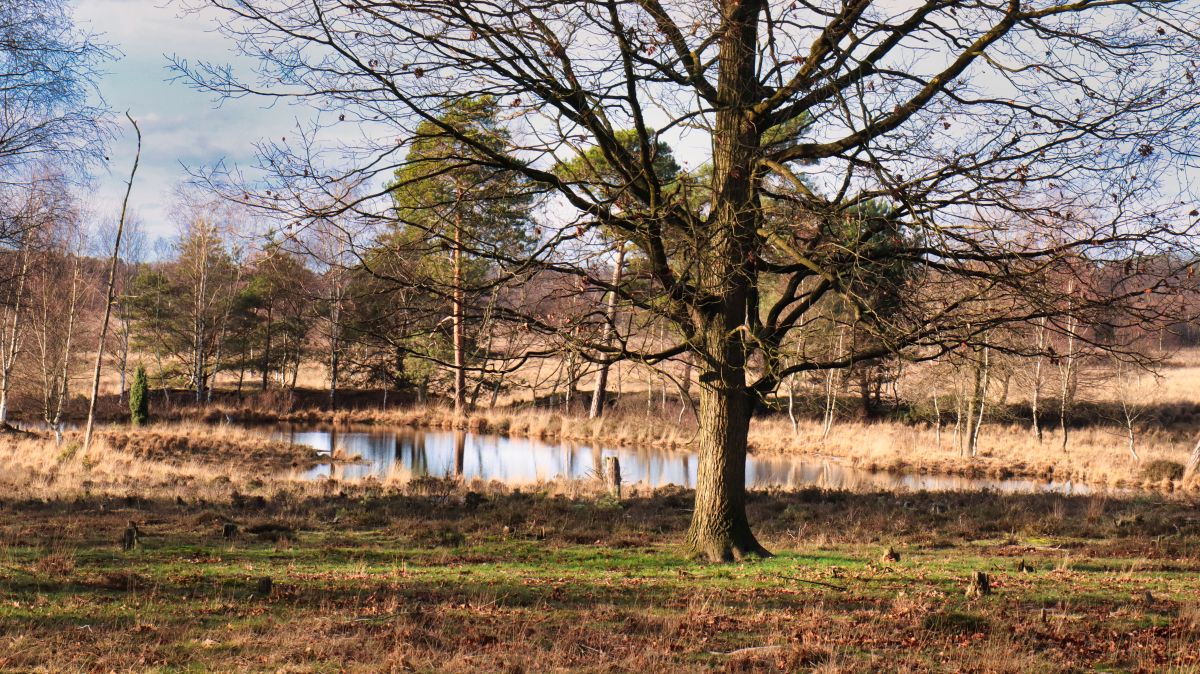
[(429, 579)]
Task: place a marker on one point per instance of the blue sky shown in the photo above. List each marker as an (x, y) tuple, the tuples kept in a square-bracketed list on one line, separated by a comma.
[(179, 125)]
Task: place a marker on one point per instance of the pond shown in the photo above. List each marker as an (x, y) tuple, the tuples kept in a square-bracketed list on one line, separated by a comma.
[(404, 453)]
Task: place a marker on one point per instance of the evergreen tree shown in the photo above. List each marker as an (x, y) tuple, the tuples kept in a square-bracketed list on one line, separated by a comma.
[(139, 398), (461, 211)]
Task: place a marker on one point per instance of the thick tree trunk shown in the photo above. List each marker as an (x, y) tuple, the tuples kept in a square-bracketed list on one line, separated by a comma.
[(720, 530), (460, 452)]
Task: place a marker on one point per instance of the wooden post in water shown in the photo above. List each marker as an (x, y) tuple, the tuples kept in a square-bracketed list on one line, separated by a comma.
[(612, 475)]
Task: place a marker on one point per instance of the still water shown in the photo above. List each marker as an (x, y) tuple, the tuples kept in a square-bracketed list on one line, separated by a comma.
[(403, 453)]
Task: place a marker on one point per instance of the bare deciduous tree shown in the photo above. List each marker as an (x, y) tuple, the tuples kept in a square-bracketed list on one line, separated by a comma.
[(110, 288), (1001, 136), (48, 68)]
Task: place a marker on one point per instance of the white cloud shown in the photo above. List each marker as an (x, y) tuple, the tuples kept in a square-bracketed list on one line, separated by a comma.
[(179, 125)]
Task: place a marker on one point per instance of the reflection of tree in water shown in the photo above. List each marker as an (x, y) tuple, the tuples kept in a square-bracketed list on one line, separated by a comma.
[(460, 452), (568, 460), (406, 451), (420, 458)]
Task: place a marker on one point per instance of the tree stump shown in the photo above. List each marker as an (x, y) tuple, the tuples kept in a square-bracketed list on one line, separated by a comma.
[(131, 537), (612, 475), (979, 585), (265, 585), (229, 530)]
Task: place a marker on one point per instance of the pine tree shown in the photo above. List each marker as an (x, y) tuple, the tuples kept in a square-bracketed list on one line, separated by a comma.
[(456, 206)]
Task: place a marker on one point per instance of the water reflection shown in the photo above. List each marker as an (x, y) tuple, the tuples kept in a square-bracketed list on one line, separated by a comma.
[(390, 453)]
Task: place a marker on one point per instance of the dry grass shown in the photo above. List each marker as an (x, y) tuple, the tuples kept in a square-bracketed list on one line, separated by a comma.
[(375, 578), (1097, 455), (216, 444), (36, 467), (189, 460), (166, 461), (1097, 452)]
